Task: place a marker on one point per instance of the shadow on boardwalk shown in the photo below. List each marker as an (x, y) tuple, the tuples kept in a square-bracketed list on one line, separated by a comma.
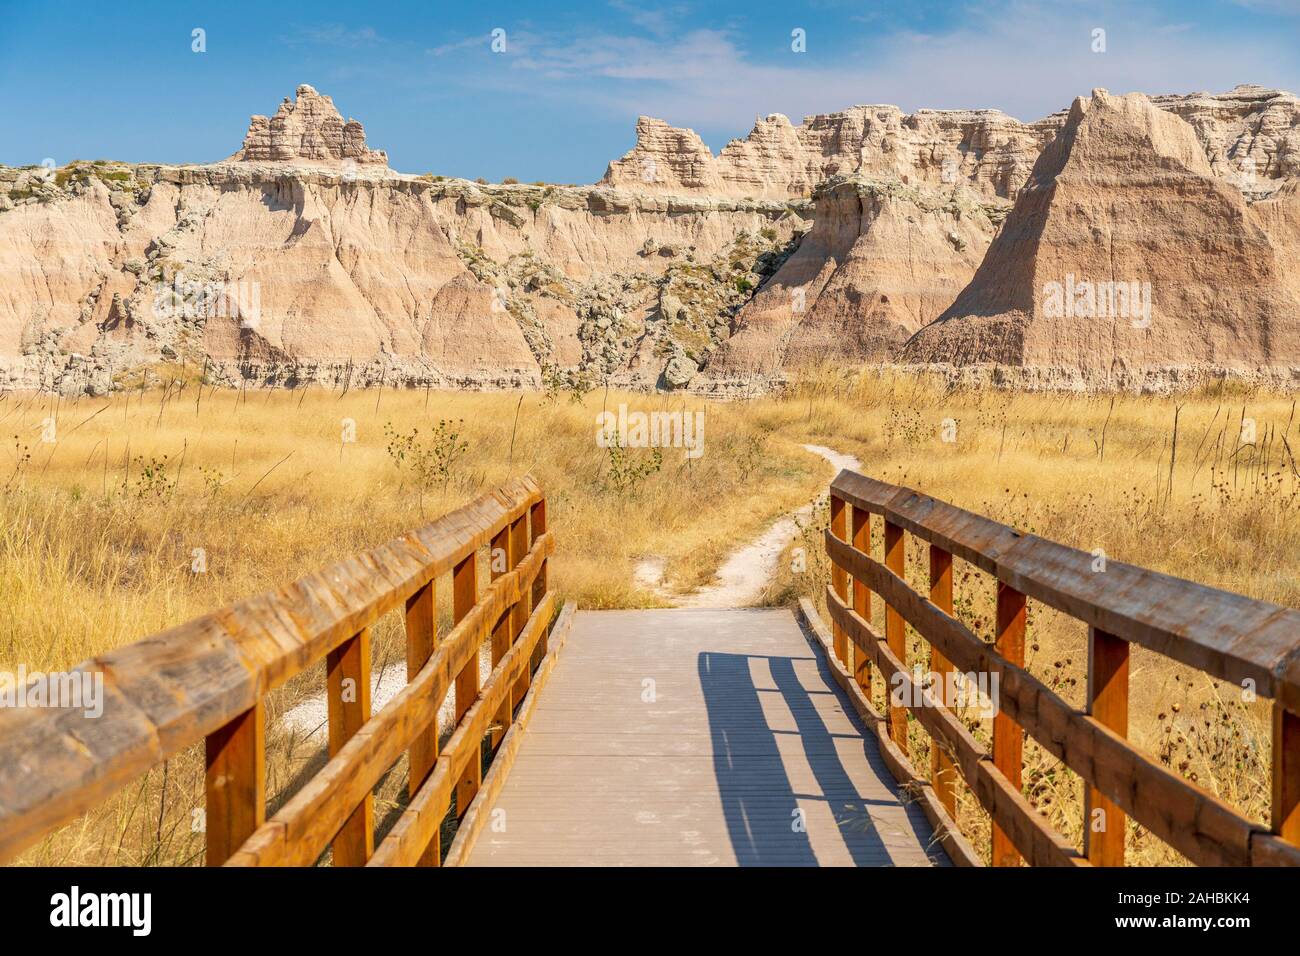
[(779, 766)]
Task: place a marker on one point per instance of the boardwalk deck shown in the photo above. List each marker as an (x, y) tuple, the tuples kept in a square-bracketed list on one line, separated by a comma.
[(699, 737)]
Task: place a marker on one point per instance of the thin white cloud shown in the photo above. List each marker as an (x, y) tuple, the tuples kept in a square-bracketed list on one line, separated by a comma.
[(703, 78), (467, 43)]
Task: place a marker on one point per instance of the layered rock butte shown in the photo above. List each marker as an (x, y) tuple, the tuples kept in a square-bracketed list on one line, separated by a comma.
[(934, 239)]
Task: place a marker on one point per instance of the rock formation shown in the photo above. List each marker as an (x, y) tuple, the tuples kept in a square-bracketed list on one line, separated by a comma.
[(987, 149), (291, 275), (882, 260), (307, 128), (855, 236), (1249, 134), (1126, 260)]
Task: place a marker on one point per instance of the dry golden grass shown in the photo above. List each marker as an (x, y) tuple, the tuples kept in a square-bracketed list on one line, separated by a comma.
[(100, 528), (1219, 506)]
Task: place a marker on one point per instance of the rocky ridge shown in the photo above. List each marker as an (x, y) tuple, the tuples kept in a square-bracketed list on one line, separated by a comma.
[(868, 235), (1250, 134), (281, 275)]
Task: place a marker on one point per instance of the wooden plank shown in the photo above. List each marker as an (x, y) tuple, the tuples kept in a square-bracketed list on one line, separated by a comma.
[(479, 812), (523, 608), (421, 636), (895, 632), (174, 688), (1104, 823), (537, 528), (1267, 849), (1286, 775), (862, 596), (946, 830), (971, 537), (302, 828), (1197, 824), (942, 775), (1026, 829), (235, 783), (769, 736), (1229, 636), (419, 823), (347, 669), (839, 578), (464, 586), (501, 559), (1007, 736)]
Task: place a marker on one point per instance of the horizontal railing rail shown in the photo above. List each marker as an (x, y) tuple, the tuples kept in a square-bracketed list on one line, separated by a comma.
[(1230, 637), (208, 679)]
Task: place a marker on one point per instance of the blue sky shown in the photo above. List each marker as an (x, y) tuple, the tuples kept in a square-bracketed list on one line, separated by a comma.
[(120, 81)]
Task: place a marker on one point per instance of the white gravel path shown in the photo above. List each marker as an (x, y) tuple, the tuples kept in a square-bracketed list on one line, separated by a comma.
[(739, 583), (745, 574)]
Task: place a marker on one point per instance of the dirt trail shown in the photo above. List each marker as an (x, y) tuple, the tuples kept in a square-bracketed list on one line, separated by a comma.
[(739, 583), (744, 575)]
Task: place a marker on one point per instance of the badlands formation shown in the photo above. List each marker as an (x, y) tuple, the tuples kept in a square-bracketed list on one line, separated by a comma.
[(1124, 242)]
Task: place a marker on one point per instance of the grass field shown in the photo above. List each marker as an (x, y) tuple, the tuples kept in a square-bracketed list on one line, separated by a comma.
[(110, 506)]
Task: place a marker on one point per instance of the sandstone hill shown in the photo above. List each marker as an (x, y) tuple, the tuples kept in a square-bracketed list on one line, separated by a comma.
[(304, 257), (881, 261), (1126, 260)]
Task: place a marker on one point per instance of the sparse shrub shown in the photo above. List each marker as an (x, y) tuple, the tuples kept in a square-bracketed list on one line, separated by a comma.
[(153, 482), (430, 462), (22, 456), (212, 480), (624, 474)]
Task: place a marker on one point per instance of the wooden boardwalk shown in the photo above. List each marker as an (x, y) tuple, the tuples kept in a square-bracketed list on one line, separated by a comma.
[(699, 737), (674, 737)]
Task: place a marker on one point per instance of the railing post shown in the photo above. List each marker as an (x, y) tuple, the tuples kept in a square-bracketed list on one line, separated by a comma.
[(1103, 822), (235, 783), (839, 577), (347, 669), (1008, 739), (1286, 774), (421, 636), (895, 635), (861, 524), (523, 608), (943, 776), (502, 559), (541, 584), (464, 594)]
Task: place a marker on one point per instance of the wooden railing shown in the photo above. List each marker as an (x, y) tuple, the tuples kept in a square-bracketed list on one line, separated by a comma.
[(208, 680), (1229, 637)]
